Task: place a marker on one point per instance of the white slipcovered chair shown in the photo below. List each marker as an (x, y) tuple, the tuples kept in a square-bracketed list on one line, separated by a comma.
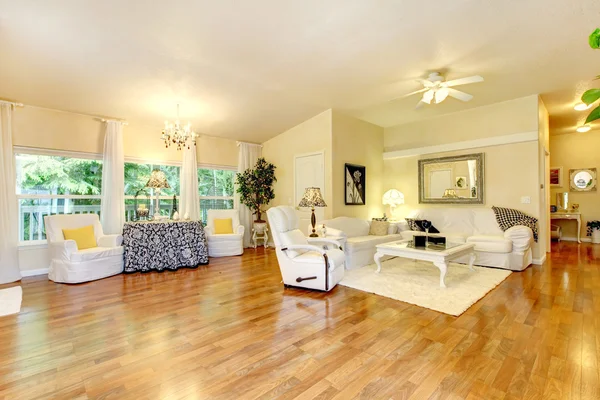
[(311, 263), (69, 264), (227, 244)]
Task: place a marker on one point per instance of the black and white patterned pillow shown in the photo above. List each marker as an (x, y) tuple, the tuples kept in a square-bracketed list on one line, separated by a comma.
[(412, 224), (509, 217)]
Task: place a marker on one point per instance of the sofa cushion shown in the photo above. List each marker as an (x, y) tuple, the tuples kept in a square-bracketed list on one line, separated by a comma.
[(350, 226), (379, 228), (224, 237), (368, 242), (96, 253), (491, 243)]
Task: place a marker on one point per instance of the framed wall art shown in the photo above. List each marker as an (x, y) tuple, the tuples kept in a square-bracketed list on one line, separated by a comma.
[(354, 186), (556, 174)]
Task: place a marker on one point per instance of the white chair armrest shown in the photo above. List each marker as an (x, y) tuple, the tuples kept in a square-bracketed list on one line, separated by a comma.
[(240, 230), (62, 249), (521, 237), (306, 247), (208, 230), (324, 240), (110, 241)]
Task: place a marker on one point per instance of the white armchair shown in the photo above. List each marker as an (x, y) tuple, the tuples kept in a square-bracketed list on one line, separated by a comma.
[(69, 264), (228, 244), (304, 262)]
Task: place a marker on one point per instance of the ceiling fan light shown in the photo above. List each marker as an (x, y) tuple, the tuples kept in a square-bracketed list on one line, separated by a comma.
[(427, 97), (583, 128), (441, 94), (582, 106)]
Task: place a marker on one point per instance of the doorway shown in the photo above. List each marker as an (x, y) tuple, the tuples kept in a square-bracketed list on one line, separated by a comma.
[(309, 171)]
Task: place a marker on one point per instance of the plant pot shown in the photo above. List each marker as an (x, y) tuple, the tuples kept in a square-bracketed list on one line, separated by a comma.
[(259, 227), (596, 236)]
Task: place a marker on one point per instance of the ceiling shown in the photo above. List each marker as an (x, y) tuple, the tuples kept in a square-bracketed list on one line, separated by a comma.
[(249, 70)]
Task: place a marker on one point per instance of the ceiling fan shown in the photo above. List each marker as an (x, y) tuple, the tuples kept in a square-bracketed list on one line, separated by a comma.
[(436, 89)]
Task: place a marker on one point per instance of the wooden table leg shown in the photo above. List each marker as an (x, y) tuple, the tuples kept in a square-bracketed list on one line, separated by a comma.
[(443, 267)]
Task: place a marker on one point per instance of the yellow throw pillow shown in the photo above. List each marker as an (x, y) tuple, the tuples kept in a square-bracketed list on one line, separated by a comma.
[(84, 237), (223, 226)]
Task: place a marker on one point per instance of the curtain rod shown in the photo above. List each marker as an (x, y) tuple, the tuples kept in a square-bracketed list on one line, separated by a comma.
[(12, 103), (250, 144)]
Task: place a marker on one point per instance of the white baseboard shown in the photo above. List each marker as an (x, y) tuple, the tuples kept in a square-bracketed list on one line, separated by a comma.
[(34, 272), (539, 261), (574, 239)]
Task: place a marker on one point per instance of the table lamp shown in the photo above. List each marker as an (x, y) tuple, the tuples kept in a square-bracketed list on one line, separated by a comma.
[(157, 181), (393, 198), (312, 198)]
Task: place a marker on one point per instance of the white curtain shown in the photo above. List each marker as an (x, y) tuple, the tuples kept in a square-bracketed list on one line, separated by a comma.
[(113, 179), (9, 219), (248, 154), (189, 200)]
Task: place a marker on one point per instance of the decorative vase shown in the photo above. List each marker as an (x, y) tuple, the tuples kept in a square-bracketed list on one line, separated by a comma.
[(186, 216), (259, 227), (176, 216), (596, 236)]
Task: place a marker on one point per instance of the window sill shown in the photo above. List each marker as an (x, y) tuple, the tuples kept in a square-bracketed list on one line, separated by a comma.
[(33, 244)]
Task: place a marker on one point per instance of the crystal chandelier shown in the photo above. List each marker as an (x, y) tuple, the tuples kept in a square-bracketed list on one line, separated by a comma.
[(182, 136)]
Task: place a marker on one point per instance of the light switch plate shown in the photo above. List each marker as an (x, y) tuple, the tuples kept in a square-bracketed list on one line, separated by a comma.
[(526, 200)]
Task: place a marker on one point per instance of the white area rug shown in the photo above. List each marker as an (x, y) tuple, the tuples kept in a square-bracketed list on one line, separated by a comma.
[(419, 283), (10, 300)]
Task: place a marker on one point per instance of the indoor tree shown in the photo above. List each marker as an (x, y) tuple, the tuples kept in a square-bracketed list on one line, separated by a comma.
[(592, 95), (255, 186)]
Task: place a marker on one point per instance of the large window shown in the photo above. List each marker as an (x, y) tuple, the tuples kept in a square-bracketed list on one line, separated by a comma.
[(63, 183), (53, 184)]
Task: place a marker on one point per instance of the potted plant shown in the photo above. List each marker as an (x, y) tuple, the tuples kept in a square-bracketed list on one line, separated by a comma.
[(255, 187), (594, 227), (592, 95)]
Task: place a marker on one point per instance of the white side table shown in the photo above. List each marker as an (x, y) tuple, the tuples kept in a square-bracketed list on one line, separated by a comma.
[(576, 216), (260, 231)]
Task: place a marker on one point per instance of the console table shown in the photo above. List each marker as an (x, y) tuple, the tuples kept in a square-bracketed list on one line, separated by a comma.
[(574, 216), (160, 245)]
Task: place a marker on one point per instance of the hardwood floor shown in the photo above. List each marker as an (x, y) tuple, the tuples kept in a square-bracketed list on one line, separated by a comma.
[(231, 331)]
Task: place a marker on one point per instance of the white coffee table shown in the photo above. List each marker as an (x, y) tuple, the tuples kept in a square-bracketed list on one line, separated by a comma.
[(439, 257)]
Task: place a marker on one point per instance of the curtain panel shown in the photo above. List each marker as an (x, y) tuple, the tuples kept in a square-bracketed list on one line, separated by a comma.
[(248, 154), (189, 200), (9, 224), (112, 213)]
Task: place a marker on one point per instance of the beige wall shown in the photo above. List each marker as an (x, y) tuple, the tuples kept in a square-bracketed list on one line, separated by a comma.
[(313, 135), (506, 118), (58, 130), (511, 170), (544, 176), (571, 151), (357, 142)]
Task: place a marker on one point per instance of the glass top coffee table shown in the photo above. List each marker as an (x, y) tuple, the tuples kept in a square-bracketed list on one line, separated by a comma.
[(439, 255)]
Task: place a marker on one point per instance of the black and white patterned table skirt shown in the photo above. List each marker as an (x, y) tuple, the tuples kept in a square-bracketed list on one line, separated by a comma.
[(156, 246)]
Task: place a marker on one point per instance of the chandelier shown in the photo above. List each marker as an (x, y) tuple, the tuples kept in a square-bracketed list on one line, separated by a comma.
[(179, 135)]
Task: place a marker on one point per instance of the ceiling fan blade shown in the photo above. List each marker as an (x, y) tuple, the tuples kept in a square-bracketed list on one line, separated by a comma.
[(427, 83), (420, 104), (464, 81), (409, 94), (457, 94)]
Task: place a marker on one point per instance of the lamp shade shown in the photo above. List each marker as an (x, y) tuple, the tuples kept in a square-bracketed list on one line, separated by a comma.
[(158, 180), (393, 198), (312, 198)]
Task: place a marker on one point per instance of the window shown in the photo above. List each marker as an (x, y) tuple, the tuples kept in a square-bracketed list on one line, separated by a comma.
[(54, 184), (215, 187), (136, 177)]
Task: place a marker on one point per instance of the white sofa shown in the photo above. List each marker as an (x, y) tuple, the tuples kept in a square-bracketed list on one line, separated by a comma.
[(494, 248), (71, 265), (360, 246)]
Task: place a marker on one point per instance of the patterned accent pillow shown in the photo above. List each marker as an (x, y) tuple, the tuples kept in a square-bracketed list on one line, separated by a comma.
[(412, 224), (379, 228)]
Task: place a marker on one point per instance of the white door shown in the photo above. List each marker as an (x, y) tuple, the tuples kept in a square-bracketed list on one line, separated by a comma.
[(439, 181), (309, 171)]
